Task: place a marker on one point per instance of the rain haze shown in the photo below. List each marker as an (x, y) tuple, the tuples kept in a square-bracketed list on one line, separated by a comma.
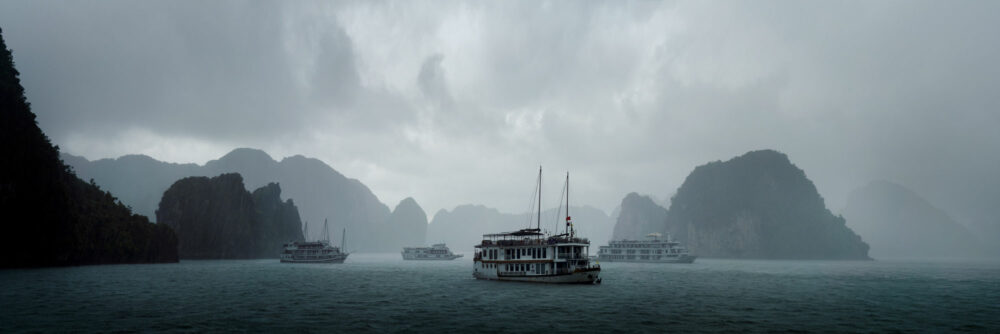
[(734, 166), (457, 102)]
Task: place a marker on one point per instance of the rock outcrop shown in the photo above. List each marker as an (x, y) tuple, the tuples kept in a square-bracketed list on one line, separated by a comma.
[(217, 218), (758, 205)]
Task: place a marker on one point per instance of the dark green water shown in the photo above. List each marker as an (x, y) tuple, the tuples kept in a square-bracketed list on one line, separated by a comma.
[(381, 293)]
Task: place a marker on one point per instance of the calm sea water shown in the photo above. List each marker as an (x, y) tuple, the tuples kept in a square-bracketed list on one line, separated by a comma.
[(382, 293)]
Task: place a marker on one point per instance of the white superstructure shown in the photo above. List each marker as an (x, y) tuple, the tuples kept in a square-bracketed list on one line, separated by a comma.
[(528, 255), (436, 252), (653, 250)]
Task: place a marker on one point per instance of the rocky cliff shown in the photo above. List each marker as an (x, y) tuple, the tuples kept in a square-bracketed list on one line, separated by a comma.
[(217, 218), (758, 205), (51, 217), (898, 223)]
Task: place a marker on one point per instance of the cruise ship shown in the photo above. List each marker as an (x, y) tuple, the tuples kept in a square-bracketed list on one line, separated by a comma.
[(319, 251), (436, 252), (529, 255), (651, 250)]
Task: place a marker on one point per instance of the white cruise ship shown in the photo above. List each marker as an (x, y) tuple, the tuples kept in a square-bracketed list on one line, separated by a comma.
[(318, 251), (652, 250), (436, 252), (528, 255)]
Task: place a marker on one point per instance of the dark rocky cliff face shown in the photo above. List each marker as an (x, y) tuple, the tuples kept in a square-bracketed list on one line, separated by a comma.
[(639, 215), (898, 223), (216, 218), (279, 220), (408, 224), (758, 205), (51, 217)]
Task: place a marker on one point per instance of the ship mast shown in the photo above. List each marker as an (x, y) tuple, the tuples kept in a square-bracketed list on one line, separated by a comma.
[(539, 198), (305, 232), (568, 223), (326, 231), (343, 236)]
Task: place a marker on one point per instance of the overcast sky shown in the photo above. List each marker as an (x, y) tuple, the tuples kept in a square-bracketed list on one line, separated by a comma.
[(459, 102)]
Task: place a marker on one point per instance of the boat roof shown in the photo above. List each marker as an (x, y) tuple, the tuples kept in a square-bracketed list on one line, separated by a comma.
[(518, 233)]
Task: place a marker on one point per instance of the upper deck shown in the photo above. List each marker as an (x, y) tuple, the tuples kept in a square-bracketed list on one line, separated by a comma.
[(529, 237)]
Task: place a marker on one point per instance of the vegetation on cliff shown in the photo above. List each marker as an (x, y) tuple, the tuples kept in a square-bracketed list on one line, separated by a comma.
[(52, 218)]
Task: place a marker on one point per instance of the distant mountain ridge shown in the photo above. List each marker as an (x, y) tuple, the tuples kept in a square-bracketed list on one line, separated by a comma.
[(319, 191), (898, 223), (639, 215), (464, 226)]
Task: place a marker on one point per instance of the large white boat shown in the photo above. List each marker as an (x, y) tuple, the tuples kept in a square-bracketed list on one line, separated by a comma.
[(436, 252), (319, 251), (529, 255), (652, 250)]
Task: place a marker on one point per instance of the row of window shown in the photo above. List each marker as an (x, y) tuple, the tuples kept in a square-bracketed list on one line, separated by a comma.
[(491, 254), (633, 257), (639, 245), (516, 253), (644, 251)]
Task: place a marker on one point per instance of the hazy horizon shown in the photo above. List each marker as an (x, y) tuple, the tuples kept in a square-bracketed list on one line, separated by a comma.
[(460, 102)]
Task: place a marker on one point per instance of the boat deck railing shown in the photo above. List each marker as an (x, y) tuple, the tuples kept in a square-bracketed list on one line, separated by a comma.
[(534, 242)]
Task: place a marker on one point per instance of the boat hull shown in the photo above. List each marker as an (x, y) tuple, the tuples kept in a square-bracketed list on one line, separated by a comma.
[(578, 277), (443, 258), (336, 259)]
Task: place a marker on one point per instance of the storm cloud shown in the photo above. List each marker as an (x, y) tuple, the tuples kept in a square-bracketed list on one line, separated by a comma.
[(459, 102)]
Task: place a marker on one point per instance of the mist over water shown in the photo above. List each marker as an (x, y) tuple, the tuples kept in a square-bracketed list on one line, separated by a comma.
[(382, 293)]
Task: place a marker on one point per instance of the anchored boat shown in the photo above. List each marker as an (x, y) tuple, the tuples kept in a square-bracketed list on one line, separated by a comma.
[(653, 250), (319, 251), (436, 252), (529, 255)]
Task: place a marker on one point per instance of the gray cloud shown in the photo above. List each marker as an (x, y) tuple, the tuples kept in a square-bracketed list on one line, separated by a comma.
[(456, 103)]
